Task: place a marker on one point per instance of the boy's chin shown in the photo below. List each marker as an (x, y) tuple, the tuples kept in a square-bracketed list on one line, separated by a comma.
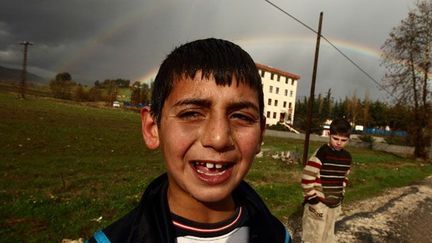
[(337, 148), (214, 197)]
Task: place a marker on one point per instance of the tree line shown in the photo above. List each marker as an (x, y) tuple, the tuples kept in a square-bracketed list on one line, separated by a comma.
[(365, 112), (63, 87)]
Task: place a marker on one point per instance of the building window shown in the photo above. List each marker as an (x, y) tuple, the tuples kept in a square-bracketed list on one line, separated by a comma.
[(286, 92), (284, 104), (276, 102), (262, 73), (271, 89), (278, 78), (269, 102), (292, 81), (286, 80), (277, 90), (272, 76), (291, 93), (290, 105), (268, 114), (274, 115)]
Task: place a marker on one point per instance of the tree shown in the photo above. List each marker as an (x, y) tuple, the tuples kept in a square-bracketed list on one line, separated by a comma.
[(378, 114), (353, 108), (62, 86), (112, 90), (407, 57), (145, 93), (95, 94), (135, 93), (366, 106), (80, 94), (300, 121)]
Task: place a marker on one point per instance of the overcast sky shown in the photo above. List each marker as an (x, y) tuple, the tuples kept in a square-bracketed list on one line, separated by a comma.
[(106, 39)]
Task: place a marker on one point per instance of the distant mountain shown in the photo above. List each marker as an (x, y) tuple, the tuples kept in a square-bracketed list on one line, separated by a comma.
[(14, 75)]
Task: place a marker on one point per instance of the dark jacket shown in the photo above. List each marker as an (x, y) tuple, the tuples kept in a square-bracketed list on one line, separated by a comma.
[(150, 221)]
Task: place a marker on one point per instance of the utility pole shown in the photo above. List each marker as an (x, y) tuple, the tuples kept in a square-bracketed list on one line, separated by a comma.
[(23, 85), (430, 152), (312, 94)]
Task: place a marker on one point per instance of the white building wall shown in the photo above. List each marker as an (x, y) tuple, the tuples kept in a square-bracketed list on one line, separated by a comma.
[(279, 97)]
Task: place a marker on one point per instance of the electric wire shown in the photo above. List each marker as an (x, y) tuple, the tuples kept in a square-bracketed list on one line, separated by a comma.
[(334, 46)]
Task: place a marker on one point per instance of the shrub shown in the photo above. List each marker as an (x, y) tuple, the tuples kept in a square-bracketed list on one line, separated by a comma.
[(278, 127), (396, 140), (367, 138)]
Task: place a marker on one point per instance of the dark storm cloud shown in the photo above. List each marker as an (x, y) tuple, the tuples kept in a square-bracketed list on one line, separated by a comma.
[(99, 39), (53, 21)]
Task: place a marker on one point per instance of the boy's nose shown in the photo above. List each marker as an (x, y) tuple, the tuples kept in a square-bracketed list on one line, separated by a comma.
[(217, 134)]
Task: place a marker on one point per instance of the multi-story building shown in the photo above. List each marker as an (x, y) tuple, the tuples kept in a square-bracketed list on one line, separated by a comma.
[(280, 90)]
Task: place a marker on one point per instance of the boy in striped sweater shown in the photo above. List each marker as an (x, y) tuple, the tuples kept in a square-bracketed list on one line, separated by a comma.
[(323, 181)]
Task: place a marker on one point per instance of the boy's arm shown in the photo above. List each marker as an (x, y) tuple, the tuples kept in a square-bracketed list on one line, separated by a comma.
[(345, 182), (310, 179)]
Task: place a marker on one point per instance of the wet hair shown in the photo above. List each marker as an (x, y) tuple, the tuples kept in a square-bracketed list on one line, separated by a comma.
[(340, 127), (216, 58)]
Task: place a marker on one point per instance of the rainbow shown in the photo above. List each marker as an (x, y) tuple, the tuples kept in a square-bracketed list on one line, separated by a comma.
[(113, 28), (303, 41), (253, 44), (349, 48)]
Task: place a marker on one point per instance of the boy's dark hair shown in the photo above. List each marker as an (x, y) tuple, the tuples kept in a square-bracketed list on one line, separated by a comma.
[(341, 127), (213, 57)]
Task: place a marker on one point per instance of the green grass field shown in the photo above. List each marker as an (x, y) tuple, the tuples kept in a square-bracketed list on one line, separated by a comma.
[(66, 165)]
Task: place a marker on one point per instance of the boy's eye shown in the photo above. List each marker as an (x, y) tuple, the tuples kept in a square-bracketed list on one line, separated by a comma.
[(189, 115), (244, 118), (339, 139)]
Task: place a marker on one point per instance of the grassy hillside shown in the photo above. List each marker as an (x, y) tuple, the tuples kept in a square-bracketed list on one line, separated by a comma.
[(69, 169), (14, 75)]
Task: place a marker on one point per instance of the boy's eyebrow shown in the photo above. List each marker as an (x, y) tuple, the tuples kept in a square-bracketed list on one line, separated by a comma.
[(207, 104), (343, 139), (194, 101), (243, 105)]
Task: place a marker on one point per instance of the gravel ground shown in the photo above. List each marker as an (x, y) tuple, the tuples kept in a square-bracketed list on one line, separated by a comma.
[(400, 215)]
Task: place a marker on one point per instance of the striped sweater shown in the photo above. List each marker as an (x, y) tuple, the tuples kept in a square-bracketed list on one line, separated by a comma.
[(325, 176)]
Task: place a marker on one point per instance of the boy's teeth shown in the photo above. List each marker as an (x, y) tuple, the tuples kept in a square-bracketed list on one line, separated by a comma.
[(209, 165)]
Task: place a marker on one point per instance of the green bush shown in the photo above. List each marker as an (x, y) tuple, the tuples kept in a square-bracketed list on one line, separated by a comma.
[(396, 140), (278, 127), (366, 138)]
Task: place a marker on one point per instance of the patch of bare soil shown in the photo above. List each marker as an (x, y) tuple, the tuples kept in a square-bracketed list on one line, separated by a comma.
[(399, 215)]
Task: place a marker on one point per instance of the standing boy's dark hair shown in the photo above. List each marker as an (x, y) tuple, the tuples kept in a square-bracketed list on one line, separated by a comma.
[(213, 57), (341, 127)]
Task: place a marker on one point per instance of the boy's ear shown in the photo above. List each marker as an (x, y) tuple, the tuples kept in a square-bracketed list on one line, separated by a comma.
[(262, 127), (149, 129)]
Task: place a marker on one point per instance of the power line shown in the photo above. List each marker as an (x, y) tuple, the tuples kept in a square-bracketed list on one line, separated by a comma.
[(334, 46)]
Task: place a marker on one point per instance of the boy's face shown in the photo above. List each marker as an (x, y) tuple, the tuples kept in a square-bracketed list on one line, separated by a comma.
[(338, 142), (209, 136)]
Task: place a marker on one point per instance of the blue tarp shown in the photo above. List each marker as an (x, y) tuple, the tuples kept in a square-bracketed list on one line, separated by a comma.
[(382, 132)]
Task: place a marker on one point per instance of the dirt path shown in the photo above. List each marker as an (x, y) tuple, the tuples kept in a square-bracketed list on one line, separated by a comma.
[(401, 215)]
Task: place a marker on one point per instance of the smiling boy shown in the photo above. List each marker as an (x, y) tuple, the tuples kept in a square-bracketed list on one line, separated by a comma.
[(207, 118), (323, 181)]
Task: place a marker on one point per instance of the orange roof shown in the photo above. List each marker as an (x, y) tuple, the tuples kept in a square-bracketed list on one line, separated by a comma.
[(277, 71)]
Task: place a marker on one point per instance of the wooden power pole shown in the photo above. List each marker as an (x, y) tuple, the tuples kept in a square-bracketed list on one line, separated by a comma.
[(23, 84), (312, 94)]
